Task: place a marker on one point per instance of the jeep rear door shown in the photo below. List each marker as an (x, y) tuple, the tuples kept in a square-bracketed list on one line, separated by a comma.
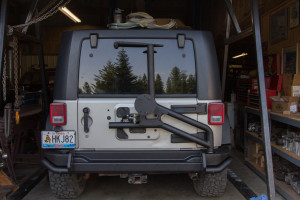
[(112, 78)]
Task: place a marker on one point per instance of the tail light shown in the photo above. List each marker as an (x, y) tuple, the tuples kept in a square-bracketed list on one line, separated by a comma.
[(58, 114), (216, 113)]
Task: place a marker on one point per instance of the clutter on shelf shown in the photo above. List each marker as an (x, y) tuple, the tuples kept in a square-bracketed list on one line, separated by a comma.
[(287, 172), (140, 19)]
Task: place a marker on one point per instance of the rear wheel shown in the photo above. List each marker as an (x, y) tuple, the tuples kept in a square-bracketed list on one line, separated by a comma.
[(211, 185), (66, 186)]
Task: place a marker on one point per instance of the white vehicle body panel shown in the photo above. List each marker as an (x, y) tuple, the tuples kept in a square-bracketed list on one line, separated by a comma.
[(103, 111)]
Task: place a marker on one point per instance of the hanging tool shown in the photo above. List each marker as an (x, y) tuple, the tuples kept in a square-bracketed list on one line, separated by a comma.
[(4, 75), (16, 67)]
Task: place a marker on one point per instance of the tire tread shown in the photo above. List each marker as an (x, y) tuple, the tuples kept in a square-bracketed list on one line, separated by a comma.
[(66, 186), (211, 185)]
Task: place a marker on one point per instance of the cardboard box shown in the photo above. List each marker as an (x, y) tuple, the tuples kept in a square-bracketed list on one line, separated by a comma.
[(287, 81), (295, 89), (296, 80), (285, 103), (179, 23), (290, 85)]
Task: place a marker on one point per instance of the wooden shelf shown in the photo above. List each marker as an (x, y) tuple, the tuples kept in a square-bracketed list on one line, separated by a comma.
[(6, 185), (282, 188), (276, 148), (294, 120), (295, 117)]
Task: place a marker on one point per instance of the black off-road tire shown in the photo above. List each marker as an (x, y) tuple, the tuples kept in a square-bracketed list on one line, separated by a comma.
[(211, 185), (66, 186)]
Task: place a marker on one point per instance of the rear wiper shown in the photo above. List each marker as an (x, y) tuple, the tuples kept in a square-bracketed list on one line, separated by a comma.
[(150, 59), (134, 44)]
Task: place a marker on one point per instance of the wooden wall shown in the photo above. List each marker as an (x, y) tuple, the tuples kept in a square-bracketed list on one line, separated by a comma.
[(293, 33), (51, 38), (214, 13), (267, 8), (30, 62), (243, 8)]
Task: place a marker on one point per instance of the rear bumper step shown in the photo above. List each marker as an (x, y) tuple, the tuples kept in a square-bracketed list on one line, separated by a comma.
[(167, 161), (136, 167)]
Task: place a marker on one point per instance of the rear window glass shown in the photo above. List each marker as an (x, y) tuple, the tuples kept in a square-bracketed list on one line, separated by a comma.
[(106, 70)]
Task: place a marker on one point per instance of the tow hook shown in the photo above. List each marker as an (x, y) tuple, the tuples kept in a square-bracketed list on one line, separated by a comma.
[(137, 179), (193, 176), (3, 156)]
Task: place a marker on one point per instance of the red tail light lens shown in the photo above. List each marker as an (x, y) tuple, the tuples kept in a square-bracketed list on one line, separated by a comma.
[(58, 114), (216, 113)]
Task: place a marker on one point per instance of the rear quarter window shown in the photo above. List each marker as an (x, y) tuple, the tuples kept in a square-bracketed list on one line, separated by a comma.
[(106, 70)]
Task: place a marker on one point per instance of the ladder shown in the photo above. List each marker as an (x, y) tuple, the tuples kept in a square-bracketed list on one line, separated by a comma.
[(254, 30)]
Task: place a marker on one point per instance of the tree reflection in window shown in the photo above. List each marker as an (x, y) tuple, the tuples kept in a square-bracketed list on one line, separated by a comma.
[(159, 85), (86, 88), (179, 83), (118, 78)]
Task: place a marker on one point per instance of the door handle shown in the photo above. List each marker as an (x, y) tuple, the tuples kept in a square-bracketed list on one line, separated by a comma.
[(86, 112)]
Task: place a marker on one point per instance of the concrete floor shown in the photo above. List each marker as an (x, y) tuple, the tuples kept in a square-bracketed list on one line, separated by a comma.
[(167, 187)]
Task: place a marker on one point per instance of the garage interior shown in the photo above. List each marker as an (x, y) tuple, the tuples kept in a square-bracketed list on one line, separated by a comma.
[(22, 174)]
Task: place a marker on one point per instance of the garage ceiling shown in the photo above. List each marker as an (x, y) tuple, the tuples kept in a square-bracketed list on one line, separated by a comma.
[(96, 12)]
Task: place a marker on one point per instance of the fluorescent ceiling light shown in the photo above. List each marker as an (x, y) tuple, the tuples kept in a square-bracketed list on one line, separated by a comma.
[(69, 14), (235, 66), (241, 55)]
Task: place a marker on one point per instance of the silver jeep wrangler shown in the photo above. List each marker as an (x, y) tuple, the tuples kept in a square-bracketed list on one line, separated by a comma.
[(136, 102)]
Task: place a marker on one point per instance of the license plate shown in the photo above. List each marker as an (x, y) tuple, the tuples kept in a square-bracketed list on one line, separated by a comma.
[(62, 139)]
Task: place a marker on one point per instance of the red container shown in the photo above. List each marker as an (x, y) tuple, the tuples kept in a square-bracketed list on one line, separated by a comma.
[(268, 81), (270, 93)]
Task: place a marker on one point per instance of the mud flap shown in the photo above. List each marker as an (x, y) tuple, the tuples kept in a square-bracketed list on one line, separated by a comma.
[(226, 139)]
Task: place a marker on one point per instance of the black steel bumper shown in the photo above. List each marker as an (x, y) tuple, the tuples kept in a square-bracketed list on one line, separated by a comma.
[(136, 161)]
